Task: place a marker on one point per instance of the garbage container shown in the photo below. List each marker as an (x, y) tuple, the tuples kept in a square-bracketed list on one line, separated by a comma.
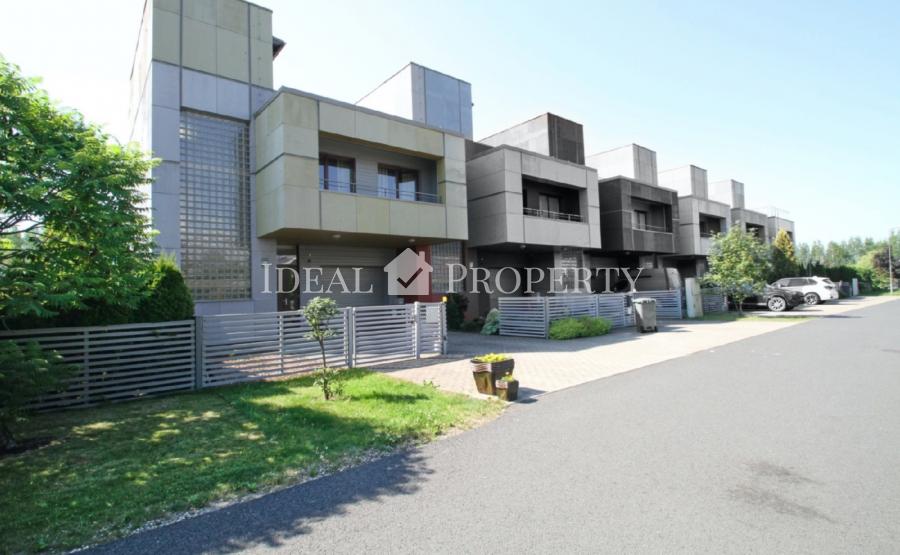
[(645, 314)]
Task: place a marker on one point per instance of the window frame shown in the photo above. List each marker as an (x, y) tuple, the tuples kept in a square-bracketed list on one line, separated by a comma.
[(397, 191), (324, 180)]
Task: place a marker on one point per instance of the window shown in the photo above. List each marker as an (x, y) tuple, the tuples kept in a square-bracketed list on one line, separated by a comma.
[(397, 183), (640, 219), (214, 206), (797, 282), (548, 203), (337, 173)]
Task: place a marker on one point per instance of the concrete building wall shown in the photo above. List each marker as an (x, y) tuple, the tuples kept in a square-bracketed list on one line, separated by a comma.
[(427, 96), (547, 134), (745, 218), (729, 192), (619, 198), (289, 200), (691, 209), (632, 161), (214, 57), (687, 180), (496, 201), (776, 223)]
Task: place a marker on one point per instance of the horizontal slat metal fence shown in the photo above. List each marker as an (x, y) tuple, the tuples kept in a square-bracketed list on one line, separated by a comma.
[(244, 347), (714, 302), (383, 333), (119, 362), (523, 316), (668, 303), (432, 327), (615, 307), (565, 306)]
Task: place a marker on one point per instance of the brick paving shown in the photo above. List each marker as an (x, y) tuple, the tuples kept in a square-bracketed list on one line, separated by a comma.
[(544, 365)]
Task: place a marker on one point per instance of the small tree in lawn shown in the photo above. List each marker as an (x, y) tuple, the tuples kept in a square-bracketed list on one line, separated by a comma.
[(784, 262), (738, 265), (26, 371), (319, 313)]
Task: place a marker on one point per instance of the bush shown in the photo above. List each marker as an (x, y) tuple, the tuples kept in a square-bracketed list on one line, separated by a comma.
[(26, 371), (491, 357), (491, 323), (582, 326), (456, 310), (168, 297)]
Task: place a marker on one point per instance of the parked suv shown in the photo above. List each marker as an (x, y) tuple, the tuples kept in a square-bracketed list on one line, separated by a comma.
[(775, 299), (815, 289)]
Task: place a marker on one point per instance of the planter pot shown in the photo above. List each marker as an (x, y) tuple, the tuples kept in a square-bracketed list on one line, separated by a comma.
[(486, 374), (507, 391)]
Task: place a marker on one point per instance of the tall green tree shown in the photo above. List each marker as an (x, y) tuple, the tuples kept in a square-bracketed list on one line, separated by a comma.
[(738, 265), (72, 229), (784, 262)]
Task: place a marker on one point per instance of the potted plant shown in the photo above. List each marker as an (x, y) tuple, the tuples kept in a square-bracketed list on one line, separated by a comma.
[(507, 388), (487, 369)]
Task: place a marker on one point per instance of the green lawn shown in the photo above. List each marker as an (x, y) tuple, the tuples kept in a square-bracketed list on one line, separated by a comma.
[(113, 468)]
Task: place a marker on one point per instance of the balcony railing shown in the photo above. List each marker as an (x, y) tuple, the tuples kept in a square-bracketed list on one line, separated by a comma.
[(377, 191), (550, 215), (653, 228)]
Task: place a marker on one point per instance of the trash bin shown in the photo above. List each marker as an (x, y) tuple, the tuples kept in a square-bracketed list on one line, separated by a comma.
[(645, 314)]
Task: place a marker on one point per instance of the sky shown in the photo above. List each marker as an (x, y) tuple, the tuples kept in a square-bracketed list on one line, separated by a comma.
[(800, 101)]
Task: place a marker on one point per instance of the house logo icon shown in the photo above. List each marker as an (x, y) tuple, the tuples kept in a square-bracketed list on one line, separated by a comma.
[(408, 274)]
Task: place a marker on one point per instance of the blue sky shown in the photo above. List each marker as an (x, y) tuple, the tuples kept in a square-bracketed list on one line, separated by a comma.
[(799, 100)]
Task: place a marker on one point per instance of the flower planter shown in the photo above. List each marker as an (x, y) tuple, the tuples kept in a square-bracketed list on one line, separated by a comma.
[(507, 390), (486, 374)]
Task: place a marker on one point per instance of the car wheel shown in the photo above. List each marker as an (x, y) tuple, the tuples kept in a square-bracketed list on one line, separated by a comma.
[(811, 298), (776, 304)]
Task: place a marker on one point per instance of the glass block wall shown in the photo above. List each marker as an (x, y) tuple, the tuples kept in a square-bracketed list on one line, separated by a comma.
[(441, 255), (215, 207)]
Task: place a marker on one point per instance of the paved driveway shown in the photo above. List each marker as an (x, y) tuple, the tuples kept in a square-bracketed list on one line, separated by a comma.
[(783, 443), (544, 365)]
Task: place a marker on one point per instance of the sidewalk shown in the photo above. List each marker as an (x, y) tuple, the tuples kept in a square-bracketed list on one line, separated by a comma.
[(543, 365)]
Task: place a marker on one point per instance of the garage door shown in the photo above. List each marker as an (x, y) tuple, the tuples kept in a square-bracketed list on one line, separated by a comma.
[(371, 276)]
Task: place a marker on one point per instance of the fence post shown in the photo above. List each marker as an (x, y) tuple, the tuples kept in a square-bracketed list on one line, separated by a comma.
[(87, 366), (416, 330), (444, 328), (351, 343), (279, 317), (546, 317), (199, 354)]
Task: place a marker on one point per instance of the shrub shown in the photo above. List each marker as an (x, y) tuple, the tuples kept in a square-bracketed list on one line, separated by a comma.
[(491, 323), (582, 326), (456, 310), (168, 296), (26, 371), (491, 357)]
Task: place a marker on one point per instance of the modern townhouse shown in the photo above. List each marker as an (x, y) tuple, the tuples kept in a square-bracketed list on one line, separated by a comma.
[(776, 221), (731, 192), (700, 217), (251, 177), (256, 183), (638, 218), (532, 204)]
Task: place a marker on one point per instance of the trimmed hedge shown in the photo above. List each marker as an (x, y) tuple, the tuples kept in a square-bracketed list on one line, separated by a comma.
[(582, 326), (168, 298)]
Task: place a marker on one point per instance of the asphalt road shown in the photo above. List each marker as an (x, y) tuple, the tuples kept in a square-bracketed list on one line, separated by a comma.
[(786, 442)]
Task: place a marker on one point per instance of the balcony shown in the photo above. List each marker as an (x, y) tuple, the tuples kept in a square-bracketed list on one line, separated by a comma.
[(550, 215), (378, 191)]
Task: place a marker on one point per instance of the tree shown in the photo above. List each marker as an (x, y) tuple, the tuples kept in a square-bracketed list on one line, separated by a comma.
[(319, 313), (72, 230), (738, 265), (784, 263), (26, 371)]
